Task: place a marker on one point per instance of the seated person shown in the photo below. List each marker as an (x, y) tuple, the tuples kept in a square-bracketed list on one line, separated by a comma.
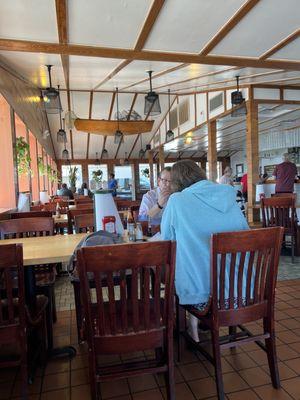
[(226, 179), (154, 202), (81, 190), (197, 209), (64, 191)]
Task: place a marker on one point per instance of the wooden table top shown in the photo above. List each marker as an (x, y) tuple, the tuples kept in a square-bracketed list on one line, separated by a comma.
[(47, 249)]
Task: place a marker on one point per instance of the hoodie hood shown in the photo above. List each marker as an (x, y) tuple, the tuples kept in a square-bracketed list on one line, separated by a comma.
[(214, 195)]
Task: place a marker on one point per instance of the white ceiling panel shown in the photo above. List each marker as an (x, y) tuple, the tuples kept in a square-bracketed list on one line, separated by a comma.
[(28, 20), (289, 52), (88, 72), (114, 23), (80, 102), (269, 22), (96, 143), (32, 67), (136, 71), (187, 26), (79, 144), (101, 105)]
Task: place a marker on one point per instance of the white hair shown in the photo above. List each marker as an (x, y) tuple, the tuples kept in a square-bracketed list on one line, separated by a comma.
[(286, 157)]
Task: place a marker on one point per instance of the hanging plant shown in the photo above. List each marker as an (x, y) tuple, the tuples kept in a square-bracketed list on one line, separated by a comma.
[(41, 166), (146, 173), (23, 156), (52, 174), (97, 175), (73, 176)]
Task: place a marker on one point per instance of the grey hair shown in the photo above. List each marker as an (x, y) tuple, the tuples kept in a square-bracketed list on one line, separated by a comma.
[(168, 169), (185, 173), (229, 169), (286, 157)]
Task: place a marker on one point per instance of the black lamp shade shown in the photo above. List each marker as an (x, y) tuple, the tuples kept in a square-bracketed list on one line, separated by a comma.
[(152, 106), (118, 137), (169, 135), (104, 153), (61, 136), (65, 154), (51, 100), (141, 153)]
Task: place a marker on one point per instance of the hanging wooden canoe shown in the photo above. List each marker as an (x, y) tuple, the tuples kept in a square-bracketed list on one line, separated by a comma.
[(105, 127)]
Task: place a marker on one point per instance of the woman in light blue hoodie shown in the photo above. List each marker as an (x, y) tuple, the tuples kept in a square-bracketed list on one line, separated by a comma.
[(197, 209)]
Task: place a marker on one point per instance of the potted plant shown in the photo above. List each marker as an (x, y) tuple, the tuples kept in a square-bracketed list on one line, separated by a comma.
[(73, 178), (41, 166), (23, 156), (146, 173), (52, 174), (97, 178)]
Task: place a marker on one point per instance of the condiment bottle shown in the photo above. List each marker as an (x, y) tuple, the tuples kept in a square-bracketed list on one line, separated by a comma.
[(57, 210), (109, 223), (138, 232), (149, 229)]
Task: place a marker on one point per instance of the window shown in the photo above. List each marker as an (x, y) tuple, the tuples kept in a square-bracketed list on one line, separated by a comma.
[(124, 177), (35, 195), (7, 193), (65, 169), (96, 167), (144, 176)]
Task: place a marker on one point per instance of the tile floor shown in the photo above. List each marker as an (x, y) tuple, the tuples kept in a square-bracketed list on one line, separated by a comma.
[(245, 370)]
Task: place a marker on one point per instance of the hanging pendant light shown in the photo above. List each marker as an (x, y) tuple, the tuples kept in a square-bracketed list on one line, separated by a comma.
[(61, 135), (141, 152), (170, 133), (51, 97), (152, 106), (65, 154), (126, 160), (104, 153), (118, 134)]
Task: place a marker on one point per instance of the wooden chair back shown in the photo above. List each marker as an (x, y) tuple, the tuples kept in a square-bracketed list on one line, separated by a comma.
[(38, 207), (128, 320), (82, 206), (26, 227), (243, 274), (84, 223), (59, 199), (30, 214), (83, 200), (12, 309), (279, 211), (72, 213), (290, 195), (125, 204)]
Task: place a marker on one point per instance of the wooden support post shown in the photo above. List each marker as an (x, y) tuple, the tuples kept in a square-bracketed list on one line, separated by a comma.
[(212, 151), (151, 169), (161, 158), (85, 174), (252, 157)]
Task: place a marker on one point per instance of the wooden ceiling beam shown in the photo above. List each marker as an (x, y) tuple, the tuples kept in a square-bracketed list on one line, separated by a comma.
[(148, 25), (90, 116), (107, 52), (232, 23), (289, 39)]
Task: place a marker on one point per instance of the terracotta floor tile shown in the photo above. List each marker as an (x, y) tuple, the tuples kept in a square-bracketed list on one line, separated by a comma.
[(290, 323), (294, 364), (288, 336), (35, 388), (141, 383), (226, 367), (79, 362), (292, 386), (114, 388), (293, 312), (284, 371), (203, 388), (295, 346), (81, 392), (56, 381), (233, 382), (269, 393), (255, 376), (240, 361), (182, 392), (56, 366), (259, 356), (63, 394), (285, 352), (193, 371), (79, 377), (177, 376), (153, 394), (243, 395)]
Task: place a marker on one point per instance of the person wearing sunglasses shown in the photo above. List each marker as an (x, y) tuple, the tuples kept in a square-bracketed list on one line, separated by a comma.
[(154, 201)]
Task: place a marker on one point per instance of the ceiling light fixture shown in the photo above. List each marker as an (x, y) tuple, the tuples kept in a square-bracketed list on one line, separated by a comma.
[(170, 133), (141, 152), (61, 135), (51, 97), (104, 153), (118, 134), (152, 106)]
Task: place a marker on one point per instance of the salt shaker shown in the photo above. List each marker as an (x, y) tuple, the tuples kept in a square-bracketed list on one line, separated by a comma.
[(138, 232)]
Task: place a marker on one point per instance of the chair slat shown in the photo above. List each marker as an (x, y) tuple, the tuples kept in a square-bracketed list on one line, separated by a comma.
[(99, 297), (222, 281), (250, 275), (240, 279), (157, 285), (123, 298), (135, 299), (146, 298), (111, 302), (232, 280)]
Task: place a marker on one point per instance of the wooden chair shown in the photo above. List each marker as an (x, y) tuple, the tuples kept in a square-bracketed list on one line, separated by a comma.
[(16, 320), (84, 223), (122, 323), (36, 207), (243, 278), (31, 214), (72, 213), (82, 206), (280, 211), (44, 274), (125, 204), (83, 200), (290, 195)]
